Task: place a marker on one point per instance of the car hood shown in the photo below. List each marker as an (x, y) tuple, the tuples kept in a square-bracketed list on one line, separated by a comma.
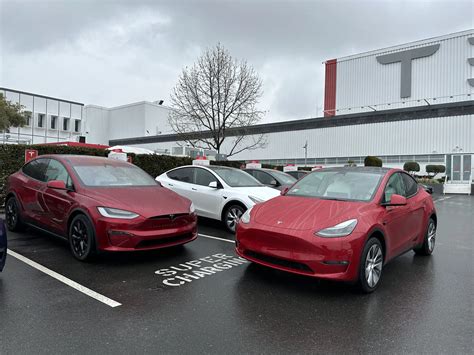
[(263, 193), (306, 213), (146, 201)]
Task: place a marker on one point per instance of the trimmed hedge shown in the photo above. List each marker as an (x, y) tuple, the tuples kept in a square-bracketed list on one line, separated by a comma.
[(411, 166), (12, 158), (372, 161), (435, 169)]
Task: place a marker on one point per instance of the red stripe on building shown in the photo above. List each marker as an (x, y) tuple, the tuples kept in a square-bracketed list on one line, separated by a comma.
[(330, 88)]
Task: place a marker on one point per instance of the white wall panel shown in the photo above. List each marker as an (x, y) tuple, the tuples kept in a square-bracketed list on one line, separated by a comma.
[(362, 81), (426, 136)]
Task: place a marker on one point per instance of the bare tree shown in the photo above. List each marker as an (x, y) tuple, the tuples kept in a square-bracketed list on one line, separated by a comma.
[(216, 99)]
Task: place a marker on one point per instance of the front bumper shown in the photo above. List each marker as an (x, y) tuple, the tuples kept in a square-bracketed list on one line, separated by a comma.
[(144, 234), (301, 252)]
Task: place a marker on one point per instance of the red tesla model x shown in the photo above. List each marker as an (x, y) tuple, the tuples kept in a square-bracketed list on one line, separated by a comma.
[(97, 204), (343, 224)]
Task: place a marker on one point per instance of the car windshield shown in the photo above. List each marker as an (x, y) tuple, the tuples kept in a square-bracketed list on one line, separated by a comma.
[(235, 177), (111, 175), (284, 178), (338, 185)]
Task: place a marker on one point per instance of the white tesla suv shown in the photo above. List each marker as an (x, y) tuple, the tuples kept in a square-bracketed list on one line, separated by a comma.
[(217, 192)]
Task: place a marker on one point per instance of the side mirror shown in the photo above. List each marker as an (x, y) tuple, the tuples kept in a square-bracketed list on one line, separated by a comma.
[(274, 183), (57, 184), (396, 200), (213, 184), (284, 191)]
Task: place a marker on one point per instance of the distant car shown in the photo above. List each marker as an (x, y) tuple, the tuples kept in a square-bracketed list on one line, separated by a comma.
[(272, 178), (298, 174), (218, 192), (98, 204), (3, 244), (341, 224)]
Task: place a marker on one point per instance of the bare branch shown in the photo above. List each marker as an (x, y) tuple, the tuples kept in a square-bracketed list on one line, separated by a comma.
[(215, 94)]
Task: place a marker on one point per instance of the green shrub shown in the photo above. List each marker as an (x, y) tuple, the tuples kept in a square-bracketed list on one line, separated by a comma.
[(434, 170), (12, 158), (411, 166), (372, 161)]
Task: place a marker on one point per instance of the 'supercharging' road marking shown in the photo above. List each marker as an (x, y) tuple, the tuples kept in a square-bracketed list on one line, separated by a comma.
[(65, 280)]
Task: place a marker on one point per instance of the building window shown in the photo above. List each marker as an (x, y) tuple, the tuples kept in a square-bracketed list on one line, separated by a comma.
[(54, 122), (77, 126), (28, 120), (40, 120), (66, 124)]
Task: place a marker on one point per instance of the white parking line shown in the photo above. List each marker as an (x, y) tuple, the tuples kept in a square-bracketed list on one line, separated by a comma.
[(443, 198), (211, 237), (65, 280)]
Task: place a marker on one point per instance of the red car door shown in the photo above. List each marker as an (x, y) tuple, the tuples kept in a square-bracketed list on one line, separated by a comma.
[(396, 219), (57, 202), (415, 204), (29, 187)]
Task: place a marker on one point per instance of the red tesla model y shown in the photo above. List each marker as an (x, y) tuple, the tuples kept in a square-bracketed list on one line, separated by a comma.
[(97, 204), (342, 224)]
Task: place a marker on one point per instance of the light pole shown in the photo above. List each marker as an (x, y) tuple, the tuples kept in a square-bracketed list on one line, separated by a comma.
[(305, 147)]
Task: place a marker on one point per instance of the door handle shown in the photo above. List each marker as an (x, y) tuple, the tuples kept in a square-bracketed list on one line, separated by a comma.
[(170, 184), (192, 188)]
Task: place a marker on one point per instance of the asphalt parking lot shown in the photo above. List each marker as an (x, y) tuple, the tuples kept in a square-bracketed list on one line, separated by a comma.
[(201, 298)]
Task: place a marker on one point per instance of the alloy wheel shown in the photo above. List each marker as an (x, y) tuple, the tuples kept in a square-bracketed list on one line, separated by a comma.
[(373, 265), (233, 217), (11, 213), (79, 238), (431, 236)]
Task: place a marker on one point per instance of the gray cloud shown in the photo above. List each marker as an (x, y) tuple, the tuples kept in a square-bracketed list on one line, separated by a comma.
[(115, 52)]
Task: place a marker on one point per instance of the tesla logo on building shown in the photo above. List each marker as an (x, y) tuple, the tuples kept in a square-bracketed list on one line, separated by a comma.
[(471, 61), (405, 58)]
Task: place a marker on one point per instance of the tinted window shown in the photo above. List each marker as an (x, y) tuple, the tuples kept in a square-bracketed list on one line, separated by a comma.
[(36, 169), (264, 177), (203, 177), (284, 178), (110, 175), (411, 186), (395, 185), (184, 174), (337, 185), (57, 171), (235, 177)]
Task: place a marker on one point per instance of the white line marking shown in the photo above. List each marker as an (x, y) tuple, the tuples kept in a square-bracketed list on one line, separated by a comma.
[(443, 198), (211, 237), (65, 280)]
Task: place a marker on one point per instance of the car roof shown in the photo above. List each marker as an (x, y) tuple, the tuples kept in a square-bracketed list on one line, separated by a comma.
[(361, 169), (83, 159)]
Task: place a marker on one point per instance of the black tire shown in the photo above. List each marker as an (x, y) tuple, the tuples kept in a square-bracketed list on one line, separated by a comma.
[(428, 245), (82, 238), (371, 265), (13, 215), (232, 215)]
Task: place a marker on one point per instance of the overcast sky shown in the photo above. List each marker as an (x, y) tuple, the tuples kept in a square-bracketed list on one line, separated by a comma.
[(111, 53)]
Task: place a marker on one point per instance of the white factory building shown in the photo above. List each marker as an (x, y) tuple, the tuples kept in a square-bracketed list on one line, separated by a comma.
[(410, 102)]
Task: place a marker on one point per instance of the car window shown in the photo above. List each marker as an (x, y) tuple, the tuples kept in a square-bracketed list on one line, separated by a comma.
[(235, 177), (284, 178), (36, 169), (110, 174), (395, 185), (203, 177), (337, 185), (183, 174), (57, 171), (264, 177), (411, 186)]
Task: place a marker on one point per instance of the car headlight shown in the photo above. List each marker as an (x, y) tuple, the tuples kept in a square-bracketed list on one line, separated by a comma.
[(192, 209), (116, 213), (339, 230), (245, 218), (255, 199)]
